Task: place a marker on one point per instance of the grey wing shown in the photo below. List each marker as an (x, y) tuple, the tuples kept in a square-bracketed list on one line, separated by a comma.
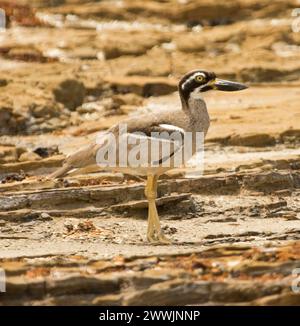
[(159, 141), (154, 146)]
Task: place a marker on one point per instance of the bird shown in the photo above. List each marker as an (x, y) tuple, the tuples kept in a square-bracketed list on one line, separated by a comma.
[(192, 117)]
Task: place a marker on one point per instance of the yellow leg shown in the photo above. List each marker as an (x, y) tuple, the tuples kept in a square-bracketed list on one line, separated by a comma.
[(154, 233)]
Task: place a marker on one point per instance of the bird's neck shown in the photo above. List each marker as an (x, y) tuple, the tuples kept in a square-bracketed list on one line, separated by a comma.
[(198, 114)]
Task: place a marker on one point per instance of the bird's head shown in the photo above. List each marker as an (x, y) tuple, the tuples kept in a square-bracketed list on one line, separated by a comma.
[(199, 81)]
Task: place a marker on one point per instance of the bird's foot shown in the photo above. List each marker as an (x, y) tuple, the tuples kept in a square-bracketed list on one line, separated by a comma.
[(162, 239), (159, 238)]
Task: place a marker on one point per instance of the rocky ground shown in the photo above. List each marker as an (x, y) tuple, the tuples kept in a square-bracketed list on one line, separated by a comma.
[(72, 68)]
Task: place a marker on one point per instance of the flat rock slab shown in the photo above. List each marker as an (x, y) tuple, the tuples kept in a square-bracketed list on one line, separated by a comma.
[(219, 275), (100, 233), (142, 204)]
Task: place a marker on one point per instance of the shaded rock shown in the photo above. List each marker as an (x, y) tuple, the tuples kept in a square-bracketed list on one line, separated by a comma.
[(46, 110), (46, 151), (207, 185), (71, 93), (173, 292), (3, 82), (265, 74), (270, 181), (11, 121), (290, 135), (241, 291), (256, 140), (82, 300), (143, 86), (142, 204), (27, 54), (16, 286), (82, 284)]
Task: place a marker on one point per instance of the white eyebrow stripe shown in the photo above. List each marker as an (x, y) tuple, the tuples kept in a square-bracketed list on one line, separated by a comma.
[(191, 78)]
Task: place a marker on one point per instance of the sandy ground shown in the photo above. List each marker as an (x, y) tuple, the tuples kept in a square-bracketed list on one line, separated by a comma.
[(81, 239)]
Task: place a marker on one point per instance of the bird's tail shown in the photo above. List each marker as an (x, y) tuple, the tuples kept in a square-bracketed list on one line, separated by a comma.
[(61, 171), (80, 159)]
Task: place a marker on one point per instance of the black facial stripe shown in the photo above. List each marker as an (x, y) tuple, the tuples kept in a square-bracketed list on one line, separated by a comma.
[(211, 75), (188, 83), (191, 80)]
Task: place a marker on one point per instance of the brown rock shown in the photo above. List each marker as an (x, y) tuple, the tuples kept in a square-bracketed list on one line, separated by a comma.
[(255, 140), (82, 284), (8, 154), (283, 299), (143, 86), (70, 92), (270, 181), (3, 82), (175, 292), (46, 109), (11, 121), (27, 54)]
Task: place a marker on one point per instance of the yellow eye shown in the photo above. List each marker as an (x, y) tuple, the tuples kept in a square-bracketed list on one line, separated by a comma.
[(199, 78)]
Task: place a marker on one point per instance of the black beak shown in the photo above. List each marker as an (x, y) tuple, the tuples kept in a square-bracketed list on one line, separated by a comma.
[(228, 86)]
